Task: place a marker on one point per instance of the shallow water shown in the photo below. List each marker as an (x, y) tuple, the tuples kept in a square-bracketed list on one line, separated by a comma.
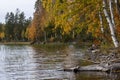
[(23, 62)]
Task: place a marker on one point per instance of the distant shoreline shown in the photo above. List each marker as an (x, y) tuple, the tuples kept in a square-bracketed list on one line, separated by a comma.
[(19, 43)]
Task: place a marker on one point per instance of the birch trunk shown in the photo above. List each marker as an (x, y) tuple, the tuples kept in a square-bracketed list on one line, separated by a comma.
[(111, 12), (117, 6), (101, 22), (73, 35), (111, 26)]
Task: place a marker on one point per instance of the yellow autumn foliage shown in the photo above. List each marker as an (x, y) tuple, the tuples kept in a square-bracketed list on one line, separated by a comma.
[(2, 35), (31, 32)]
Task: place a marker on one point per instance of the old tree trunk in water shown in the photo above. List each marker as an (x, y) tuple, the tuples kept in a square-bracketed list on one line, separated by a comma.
[(115, 67)]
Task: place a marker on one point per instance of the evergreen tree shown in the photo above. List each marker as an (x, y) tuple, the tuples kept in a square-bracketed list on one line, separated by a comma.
[(15, 26)]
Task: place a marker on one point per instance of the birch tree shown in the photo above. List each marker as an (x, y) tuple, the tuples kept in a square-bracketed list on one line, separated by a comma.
[(117, 6), (111, 25), (101, 22), (111, 12)]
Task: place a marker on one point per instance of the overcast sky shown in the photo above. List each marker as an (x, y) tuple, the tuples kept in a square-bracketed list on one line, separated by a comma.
[(11, 5)]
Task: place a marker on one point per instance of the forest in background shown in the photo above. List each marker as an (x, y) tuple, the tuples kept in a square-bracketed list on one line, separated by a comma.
[(15, 27), (96, 21)]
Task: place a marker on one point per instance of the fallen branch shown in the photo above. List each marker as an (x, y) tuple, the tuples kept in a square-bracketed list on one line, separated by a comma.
[(115, 67)]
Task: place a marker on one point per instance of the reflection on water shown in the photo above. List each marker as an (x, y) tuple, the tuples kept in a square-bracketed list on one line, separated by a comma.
[(30, 63)]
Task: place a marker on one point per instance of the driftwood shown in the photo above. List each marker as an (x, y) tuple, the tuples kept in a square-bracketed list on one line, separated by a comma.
[(112, 65), (101, 62), (105, 67)]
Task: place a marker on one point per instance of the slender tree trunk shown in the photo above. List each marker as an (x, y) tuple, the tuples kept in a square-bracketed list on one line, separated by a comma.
[(45, 36), (101, 22), (73, 35), (111, 26), (117, 6), (101, 27), (111, 12)]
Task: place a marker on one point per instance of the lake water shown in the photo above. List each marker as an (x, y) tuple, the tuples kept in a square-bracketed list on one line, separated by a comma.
[(24, 62)]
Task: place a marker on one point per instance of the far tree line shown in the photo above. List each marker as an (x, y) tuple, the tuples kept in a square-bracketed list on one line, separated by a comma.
[(15, 27)]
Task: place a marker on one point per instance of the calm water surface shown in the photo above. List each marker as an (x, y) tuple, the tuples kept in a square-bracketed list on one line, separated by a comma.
[(30, 63)]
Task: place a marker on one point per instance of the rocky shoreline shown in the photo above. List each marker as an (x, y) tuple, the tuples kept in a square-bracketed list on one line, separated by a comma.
[(103, 61), (99, 56)]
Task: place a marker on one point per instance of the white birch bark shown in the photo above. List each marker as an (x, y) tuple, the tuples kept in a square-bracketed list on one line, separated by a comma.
[(101, 22), (116, 1), (111, 12), (73, 35), (111, 26), (117, 6)]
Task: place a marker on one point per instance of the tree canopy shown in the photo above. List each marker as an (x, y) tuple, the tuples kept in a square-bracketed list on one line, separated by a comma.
[(67, 20), (15, 26)]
